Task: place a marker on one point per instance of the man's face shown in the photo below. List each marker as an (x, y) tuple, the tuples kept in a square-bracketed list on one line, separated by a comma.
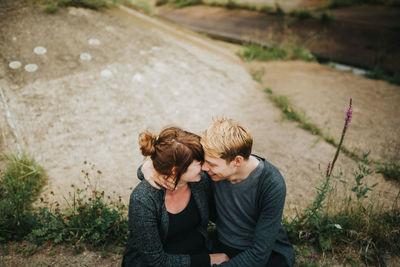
[(218, 169)]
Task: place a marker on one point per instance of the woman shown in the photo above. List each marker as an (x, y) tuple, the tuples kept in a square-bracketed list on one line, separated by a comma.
[(169, 227)]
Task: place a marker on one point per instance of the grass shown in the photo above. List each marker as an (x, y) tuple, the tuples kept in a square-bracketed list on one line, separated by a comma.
[(89, 220), (52, 6), (260, 53), (230, 4), (185, 3), (379, 74), (391, 170), (20, 185), (301, 14), (348, 3), (353, 229), (326, 18), (291, 113)]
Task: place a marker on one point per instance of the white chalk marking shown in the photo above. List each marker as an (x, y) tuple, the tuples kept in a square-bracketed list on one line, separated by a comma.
[(85, 57), (106, 73), (137, 77), (40, 50), (93, 41), (15, 65), (31, 67)]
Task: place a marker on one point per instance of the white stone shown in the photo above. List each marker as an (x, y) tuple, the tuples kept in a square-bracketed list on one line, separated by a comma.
[(137, 77), (31, 67), (15, 65), (338, 226), (156, 48), (106, 73), (142, 52), (94, 41), (14, 38), (85, 57), (109, 28), (40, 50)]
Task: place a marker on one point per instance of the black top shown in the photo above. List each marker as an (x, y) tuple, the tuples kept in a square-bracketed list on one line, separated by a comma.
[(183, 237)]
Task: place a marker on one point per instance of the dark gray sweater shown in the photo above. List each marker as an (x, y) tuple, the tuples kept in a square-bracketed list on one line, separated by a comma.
[(268, 232), (148, 224)]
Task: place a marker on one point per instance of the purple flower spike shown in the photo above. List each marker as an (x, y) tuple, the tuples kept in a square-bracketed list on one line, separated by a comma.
[(349, 115), (308, 234), (313, 255)]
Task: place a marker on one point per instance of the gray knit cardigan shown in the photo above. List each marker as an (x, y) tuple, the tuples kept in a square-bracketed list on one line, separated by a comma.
[(148, 224)]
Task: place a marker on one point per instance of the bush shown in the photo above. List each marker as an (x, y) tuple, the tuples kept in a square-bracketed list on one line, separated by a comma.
[(86, 222), (20, 185)]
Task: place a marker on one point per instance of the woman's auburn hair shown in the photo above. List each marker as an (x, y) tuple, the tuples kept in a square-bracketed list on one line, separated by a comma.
[(173, 149), (226, 139)]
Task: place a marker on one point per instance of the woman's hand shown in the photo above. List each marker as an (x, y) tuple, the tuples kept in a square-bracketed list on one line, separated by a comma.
[(218, 258), (154, 180)]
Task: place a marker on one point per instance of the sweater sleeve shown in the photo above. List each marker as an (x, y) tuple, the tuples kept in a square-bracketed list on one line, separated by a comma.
[(199, 260), (144, 228), (271, 202)]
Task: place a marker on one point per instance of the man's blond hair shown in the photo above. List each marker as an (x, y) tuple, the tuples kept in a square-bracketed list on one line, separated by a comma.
[(226, 139)]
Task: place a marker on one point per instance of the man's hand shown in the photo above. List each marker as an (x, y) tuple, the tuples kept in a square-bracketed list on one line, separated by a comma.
[(218, 258), (155, 180)]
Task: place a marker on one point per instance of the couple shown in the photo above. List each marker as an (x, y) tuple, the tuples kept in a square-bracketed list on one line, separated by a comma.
[(215, 178)]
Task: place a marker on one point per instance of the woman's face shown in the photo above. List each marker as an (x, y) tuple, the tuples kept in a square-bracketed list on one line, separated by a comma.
[(192, 173)]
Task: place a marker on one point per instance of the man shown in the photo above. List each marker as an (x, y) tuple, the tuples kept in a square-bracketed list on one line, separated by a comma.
[(249, 195)]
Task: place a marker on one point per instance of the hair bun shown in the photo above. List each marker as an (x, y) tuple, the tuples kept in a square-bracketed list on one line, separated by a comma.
[(147, 143)]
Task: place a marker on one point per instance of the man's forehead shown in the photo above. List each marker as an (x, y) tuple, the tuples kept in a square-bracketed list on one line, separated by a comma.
[(212, 159)]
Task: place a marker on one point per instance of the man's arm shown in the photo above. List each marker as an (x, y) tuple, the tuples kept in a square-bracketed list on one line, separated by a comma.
[(267, 228)]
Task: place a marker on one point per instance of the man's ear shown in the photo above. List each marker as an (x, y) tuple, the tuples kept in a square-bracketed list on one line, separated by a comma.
[(238, 161), (174, 171)]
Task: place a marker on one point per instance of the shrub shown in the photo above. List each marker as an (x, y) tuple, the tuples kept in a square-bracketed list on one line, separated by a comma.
[(89, 219), (20, 185), (86, 222)]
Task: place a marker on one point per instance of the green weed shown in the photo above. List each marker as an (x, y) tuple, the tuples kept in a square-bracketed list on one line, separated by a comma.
[(348, 3), (379, 74), (257, 75), (326, 18), (291, 113), (89, 220), (301, 14), (185, 3), (334, 226), (260, 53), (20, 184), (391, 170)]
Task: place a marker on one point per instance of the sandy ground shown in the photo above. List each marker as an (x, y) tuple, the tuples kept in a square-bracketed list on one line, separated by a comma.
[(144, 76)]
